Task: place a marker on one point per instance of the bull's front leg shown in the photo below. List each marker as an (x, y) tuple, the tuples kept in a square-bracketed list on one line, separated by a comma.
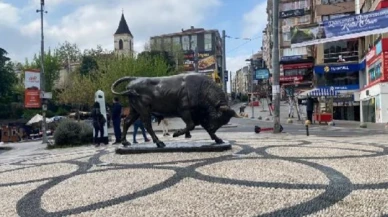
[(186, 117), (128, 121), (148, 125)]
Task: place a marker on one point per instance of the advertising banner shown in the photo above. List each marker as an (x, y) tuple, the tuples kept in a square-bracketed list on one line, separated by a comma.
[(261, 74), (206, 62), (374, 22), (291, 13), (32, 89)]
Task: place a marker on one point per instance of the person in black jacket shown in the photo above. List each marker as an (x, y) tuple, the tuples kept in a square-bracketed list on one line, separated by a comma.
[(98, 123), (310, 107), (116, 119)]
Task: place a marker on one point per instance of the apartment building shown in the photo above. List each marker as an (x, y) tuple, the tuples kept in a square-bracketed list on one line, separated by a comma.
[(373, 94), (207, 42)]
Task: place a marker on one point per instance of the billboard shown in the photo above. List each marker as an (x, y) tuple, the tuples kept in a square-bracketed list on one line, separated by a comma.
[(354, 26), (207, 62), (32, 89)]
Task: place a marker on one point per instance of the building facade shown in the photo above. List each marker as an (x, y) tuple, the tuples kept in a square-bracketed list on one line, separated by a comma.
[(207, 42), (123, 39)]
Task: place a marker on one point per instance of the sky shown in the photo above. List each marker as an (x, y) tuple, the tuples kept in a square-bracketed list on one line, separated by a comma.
[(89, 23)]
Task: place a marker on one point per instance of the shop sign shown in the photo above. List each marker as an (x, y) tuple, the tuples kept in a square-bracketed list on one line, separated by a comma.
[(206, 61), (291, 13), (351, 67), (291, 58), (339, 88), (297, 66), (290, 78)]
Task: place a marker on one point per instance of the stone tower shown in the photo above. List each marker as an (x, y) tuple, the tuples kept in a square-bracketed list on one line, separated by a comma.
[(123, 38)]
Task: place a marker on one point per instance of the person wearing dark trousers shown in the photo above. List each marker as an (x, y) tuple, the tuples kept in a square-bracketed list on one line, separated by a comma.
[(98, 124), (139, 124), (116, 119), (310, 107)]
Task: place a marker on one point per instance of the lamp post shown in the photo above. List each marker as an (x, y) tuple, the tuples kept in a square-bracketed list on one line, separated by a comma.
[(276, 67), (251, 84), (42, 74)]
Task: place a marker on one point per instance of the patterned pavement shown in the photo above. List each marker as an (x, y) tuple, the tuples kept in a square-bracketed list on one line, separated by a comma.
[(263, 175)]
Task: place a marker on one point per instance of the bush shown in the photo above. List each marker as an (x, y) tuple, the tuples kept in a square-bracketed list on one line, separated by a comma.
[(71, 133)]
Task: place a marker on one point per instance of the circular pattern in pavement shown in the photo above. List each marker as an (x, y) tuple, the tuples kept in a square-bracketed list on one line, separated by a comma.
[(282, 178)]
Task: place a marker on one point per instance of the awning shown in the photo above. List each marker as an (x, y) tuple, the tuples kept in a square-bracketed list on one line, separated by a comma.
[(319, 92), (36, 119)]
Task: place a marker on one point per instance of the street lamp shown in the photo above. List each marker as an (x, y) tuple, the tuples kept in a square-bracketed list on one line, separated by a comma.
[(251, 84)]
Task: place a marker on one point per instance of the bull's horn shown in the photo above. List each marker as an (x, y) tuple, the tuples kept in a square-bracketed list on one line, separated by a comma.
[(119, 81), (224, 108)]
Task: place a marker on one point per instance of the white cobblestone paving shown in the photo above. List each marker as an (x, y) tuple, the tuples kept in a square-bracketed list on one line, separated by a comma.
[(262, 175)]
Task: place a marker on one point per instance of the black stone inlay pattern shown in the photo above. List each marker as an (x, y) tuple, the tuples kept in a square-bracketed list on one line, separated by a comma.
[(338, 188)]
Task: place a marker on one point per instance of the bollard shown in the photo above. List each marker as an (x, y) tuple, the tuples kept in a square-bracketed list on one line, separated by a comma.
[(307, 123)]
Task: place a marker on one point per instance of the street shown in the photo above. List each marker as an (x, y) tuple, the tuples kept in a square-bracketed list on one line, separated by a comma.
[(328, 173)]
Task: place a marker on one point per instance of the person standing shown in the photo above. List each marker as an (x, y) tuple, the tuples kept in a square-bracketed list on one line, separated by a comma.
[(310, 108), (116, 119), (98, 123), (165, 127), (139, 124), (291, 108)]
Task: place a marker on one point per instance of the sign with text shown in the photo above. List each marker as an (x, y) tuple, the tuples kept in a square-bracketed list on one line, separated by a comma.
[(354, 26), (291, 13), (32, 89), (261, 74), (206, 62), (290, 78), (338, 68)]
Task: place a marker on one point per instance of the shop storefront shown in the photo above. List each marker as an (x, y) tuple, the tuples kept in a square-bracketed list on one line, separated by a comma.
[(296, 74), (343, 78), (374, 96)]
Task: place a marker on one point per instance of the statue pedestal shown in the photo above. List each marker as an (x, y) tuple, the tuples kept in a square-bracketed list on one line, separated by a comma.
[(176, 146)]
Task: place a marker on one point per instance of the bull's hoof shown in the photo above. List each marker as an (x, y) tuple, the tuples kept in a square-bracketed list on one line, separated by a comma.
[(219, 141), (126, 143), (160, 144), (188, 136), (176, 134)]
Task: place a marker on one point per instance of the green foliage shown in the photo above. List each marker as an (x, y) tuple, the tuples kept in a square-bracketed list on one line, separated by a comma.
[(71, 133), (8, 77), (244, 98), (68, 52), (88, 64)]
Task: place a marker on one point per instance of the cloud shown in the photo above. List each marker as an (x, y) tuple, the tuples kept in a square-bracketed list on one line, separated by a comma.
[(9, 14), (93, 23), (255, 20)]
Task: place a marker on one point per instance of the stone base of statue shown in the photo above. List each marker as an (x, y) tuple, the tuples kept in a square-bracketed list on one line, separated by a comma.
[(176, 146)]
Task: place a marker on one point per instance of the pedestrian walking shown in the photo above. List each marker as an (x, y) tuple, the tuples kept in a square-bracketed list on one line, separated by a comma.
[(310, 107), (98, 124), (139, 124), (291, 108), (116, 119)]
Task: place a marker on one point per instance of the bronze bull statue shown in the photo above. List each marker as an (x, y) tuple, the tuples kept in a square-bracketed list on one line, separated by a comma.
[(193, 97)]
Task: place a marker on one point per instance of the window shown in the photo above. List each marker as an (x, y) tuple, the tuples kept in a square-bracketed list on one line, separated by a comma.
[(167, 44), (374, 72), (130, 45), (208, 42), (121, 44), (348, 49), (294, 5), (186, 43), (338, 79), (334, 16), (295, 51), (328, 2), (304, 19), (286, 36), (194, 42), (176, 41)]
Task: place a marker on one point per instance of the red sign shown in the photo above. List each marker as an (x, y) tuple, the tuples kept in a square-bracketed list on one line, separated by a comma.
[(385, 65), (290, 78), (298, 66), (32, 98)]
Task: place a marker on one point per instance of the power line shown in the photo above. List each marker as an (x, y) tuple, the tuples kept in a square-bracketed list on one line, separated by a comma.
[(239, 46)]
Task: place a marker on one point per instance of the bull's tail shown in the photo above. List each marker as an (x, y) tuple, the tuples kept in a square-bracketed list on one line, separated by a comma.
[(119, 81)]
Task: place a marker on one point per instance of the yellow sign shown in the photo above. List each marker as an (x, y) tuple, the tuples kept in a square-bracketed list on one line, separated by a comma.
[(326, 69)]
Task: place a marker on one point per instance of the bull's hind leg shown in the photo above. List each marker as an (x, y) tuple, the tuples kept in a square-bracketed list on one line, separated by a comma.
[(148, 125), (186, 117), (128, 121), (211, 130)]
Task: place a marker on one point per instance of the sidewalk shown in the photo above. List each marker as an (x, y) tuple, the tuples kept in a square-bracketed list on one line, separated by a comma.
[(174, 124), (264, 113)]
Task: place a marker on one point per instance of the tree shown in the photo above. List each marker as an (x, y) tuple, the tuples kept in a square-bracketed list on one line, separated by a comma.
[(68, 53), (88, 65), (8, 77)]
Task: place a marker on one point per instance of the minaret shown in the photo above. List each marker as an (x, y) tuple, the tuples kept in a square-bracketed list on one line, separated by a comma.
[(123, 38)]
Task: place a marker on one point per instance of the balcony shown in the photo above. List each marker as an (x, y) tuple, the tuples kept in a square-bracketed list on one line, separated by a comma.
[(338, 8), (348, 49)]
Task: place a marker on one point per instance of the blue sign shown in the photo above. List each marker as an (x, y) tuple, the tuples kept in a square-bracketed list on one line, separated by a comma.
[(339, 88), (338, 68), (364, 22), (291, 58), (261, 74), (379, 48)]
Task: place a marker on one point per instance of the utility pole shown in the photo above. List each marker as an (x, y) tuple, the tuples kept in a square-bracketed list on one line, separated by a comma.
[(42, 75), (252, 73), (223, 61), (275, 65), (196, 59)]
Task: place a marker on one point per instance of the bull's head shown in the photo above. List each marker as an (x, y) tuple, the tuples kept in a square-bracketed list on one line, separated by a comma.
[(228, 111)]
